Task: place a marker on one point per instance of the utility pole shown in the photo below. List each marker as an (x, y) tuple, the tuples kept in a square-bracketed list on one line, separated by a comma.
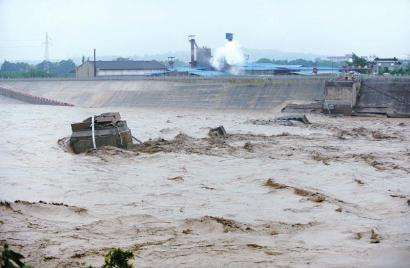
[(46, 54), (95, 64)]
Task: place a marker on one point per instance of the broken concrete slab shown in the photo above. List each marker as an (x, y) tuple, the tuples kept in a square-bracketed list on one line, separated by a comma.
[(109, 130), (289, 120)]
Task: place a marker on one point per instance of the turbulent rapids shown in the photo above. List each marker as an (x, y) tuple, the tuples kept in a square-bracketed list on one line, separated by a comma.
[(269, 191)]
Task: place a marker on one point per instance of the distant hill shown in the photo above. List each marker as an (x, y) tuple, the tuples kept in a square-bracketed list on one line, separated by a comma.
[(254, 54)]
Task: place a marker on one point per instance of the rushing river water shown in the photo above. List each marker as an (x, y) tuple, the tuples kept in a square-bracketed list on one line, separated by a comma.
[(136, 198)]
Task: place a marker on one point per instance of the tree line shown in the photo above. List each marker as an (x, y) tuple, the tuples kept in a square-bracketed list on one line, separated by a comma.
[(356, 63), (64, 68), (305, 63)]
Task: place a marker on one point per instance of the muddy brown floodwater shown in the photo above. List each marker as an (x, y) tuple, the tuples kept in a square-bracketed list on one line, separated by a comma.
[(333, 193)]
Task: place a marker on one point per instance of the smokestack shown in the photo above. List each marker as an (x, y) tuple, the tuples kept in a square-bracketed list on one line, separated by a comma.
[(95, 65), (229, 36), (193, 45)]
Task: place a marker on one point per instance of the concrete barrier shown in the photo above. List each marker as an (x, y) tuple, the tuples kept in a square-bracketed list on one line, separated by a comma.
[(226, 93), (377, 95), (385, 96)]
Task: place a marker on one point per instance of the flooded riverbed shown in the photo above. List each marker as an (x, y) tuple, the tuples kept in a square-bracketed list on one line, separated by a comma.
[(208, 206)]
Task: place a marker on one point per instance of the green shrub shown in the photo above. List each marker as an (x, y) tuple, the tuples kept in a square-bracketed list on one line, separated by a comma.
[(11, 259), (117, 258)]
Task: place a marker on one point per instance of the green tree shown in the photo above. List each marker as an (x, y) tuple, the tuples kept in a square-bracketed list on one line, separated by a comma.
[(358, 61), (122, 59), (264, 60), (15, 67)]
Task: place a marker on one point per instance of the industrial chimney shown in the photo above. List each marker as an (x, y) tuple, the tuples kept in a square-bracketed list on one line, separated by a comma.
[(191, 39)]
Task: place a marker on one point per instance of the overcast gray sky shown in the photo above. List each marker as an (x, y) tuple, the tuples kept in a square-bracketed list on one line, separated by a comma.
[(138, 27)]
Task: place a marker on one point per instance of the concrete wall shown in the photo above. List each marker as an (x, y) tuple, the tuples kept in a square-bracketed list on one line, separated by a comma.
[(389, 95), (384, 95), (226, 93), (340, 92), (85, 70)]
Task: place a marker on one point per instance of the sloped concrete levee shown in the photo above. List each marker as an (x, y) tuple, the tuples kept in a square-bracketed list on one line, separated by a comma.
[(219, 93), (385, 96)]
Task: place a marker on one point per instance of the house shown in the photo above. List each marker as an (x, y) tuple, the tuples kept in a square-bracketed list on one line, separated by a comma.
[(119, 68), (383, 65)]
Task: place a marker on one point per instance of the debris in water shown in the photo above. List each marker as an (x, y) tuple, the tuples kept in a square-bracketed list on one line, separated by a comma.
[(374, 237), (302, 192), (177, 178), (360, 182), (273, 232), (316, 197), (398, 195), (254, 246), (364, 132), (229, 225), (377, 135), (312, 196), (207, 187), (106, 129), (248, 146), (358, 236), (218, 132), (275, 185), (288, 120), (320, 158)]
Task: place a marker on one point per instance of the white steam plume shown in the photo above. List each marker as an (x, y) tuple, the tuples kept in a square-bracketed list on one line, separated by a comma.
[(231, 54)]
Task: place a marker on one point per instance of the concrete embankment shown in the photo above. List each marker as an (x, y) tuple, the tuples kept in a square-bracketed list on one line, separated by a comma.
[(388, 96), (219, 93), (377, 95)]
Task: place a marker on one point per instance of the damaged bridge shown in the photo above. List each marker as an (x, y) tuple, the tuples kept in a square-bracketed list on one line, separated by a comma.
[(384, 96), (373, 96), (367, 97)]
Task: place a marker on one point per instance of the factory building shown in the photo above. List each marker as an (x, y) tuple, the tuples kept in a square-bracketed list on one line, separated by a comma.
[(119, 68), (200, 56), (381, 65), (203, 57)]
